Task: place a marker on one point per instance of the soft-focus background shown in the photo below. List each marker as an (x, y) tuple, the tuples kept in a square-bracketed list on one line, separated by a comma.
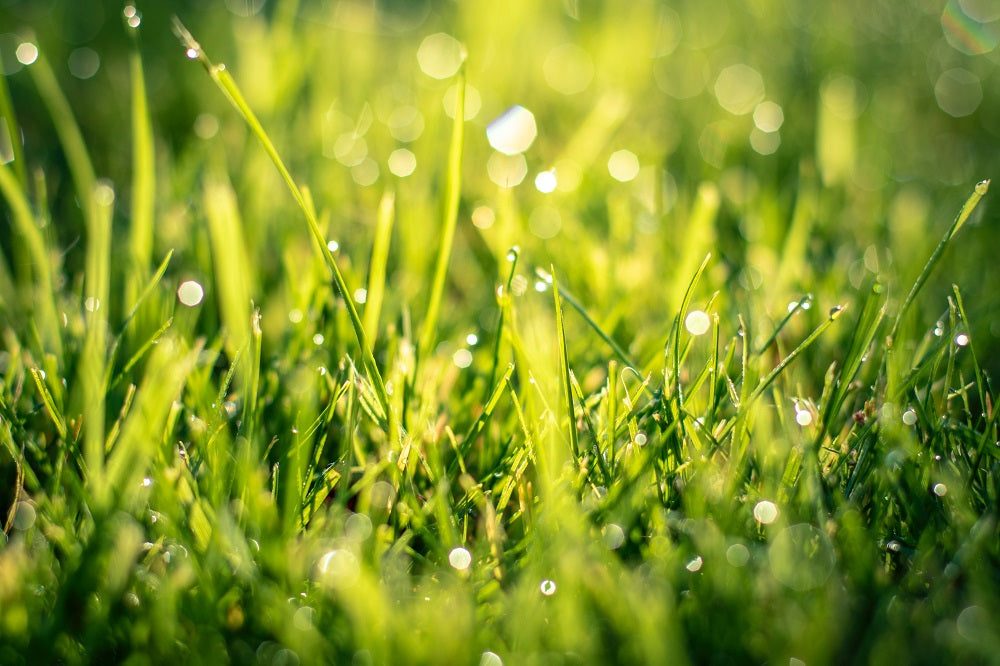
[(867, 122), (234, 494)]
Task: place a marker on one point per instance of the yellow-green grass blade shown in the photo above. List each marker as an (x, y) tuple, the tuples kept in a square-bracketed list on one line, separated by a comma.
[(231, 268), (143, 184), (379, 261), (564, 369), (224, 81), (452, 190), (93, 363), (963, 215), (37, 269), (55, 415), (13, 133)]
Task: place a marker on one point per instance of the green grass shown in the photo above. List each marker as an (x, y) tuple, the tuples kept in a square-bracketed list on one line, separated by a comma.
[(410, 419)]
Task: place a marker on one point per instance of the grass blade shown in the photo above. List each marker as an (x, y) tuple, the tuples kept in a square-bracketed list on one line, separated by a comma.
[(967, 208), (143, 183), (564, 371), (452, 189), (377, 267), (227, 85)]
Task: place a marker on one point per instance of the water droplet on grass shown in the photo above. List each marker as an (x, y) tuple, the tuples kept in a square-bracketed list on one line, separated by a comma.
[(440, 55), (548, 587), (737, 555), (640, 439), (513, 131), (803, 417), (190, 293), (940, 489), (909, 417), (26, 53), (961, 339), (402, 162), (490, 659), (460, 559), (765, 512), (697, 322), (546, 182), (614, 536), (623, 165), (338, 568), (695, 564), (462, 358)]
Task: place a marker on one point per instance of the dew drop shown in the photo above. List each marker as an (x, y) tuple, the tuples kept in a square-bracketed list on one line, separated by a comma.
[(909, 417), (614, 536), (640, 439), (697, 322), (961, 339), (695, 564), (545, 182), (462, 358), (459, 558), (548, 587), (190, 293), (940, 489), (490, 659), (513, 131), (765, 512), (26, 53)]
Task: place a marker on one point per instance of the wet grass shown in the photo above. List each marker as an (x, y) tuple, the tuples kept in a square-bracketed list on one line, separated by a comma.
[(402, 420)]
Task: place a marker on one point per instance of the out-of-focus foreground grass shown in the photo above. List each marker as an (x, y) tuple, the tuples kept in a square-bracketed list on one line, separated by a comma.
[(527, 421)]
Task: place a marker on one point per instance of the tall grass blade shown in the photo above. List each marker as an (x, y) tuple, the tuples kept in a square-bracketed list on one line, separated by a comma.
[(13, 133), (963, 215), (143, 183), (452, 190), (564, 369), (379, 261), (231, 91)]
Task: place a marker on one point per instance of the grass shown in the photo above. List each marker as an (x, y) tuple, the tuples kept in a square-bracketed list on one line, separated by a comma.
[(687, 416)]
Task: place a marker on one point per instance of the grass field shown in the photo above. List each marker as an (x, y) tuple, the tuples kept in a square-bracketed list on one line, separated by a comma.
[(499, 333)]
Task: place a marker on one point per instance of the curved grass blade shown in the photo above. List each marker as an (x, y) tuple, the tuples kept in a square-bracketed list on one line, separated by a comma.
[(967, 208), (221, 77)]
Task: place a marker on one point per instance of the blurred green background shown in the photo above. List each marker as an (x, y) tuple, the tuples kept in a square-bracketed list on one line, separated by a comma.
[(838, 139)]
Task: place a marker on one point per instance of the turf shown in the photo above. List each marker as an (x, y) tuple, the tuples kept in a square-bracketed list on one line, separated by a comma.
[(716, 389)]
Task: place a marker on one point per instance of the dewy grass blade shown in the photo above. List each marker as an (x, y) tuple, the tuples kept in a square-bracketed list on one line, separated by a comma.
[(228, 86), (93, 363), (41, 300), (377, 267), (58, 420), (963, 215), (564, 371), (9, 120), (143, 182), (452, 189)]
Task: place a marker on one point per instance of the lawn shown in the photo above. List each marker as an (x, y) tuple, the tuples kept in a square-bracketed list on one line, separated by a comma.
[(384, 332)]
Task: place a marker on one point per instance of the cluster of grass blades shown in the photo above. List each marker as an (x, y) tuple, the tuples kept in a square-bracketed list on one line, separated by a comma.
[(176, 491)]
